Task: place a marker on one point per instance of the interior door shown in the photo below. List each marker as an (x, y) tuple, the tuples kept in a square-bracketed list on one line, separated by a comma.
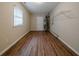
[(40, 23)]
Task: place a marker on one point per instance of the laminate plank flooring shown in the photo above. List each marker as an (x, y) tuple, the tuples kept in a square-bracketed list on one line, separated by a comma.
[(39, 44)]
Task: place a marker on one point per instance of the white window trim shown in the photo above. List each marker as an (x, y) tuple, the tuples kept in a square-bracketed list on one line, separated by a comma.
[(18, 17)]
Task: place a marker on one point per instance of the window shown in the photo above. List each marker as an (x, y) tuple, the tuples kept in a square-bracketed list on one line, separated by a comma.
[(18, 16)]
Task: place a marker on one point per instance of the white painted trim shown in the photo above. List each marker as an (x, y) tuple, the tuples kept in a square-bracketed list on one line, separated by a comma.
[(12, 44), (68, 45), (37, 30), (54, 34), (65, 43)]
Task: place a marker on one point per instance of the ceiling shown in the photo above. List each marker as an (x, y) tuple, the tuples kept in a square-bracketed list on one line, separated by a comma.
[(40, 7)]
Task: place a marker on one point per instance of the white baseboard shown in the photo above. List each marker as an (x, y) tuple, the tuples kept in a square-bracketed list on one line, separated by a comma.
[(65, 43), (37, 30), (12, 44), (68, 45), (54, 34)]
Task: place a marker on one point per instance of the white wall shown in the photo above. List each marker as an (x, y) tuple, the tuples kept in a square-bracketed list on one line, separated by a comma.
[(8, 33), (37, 24), (64, 22)]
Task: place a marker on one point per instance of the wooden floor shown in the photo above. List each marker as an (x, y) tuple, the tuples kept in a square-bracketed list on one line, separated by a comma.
[(39, 44)]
